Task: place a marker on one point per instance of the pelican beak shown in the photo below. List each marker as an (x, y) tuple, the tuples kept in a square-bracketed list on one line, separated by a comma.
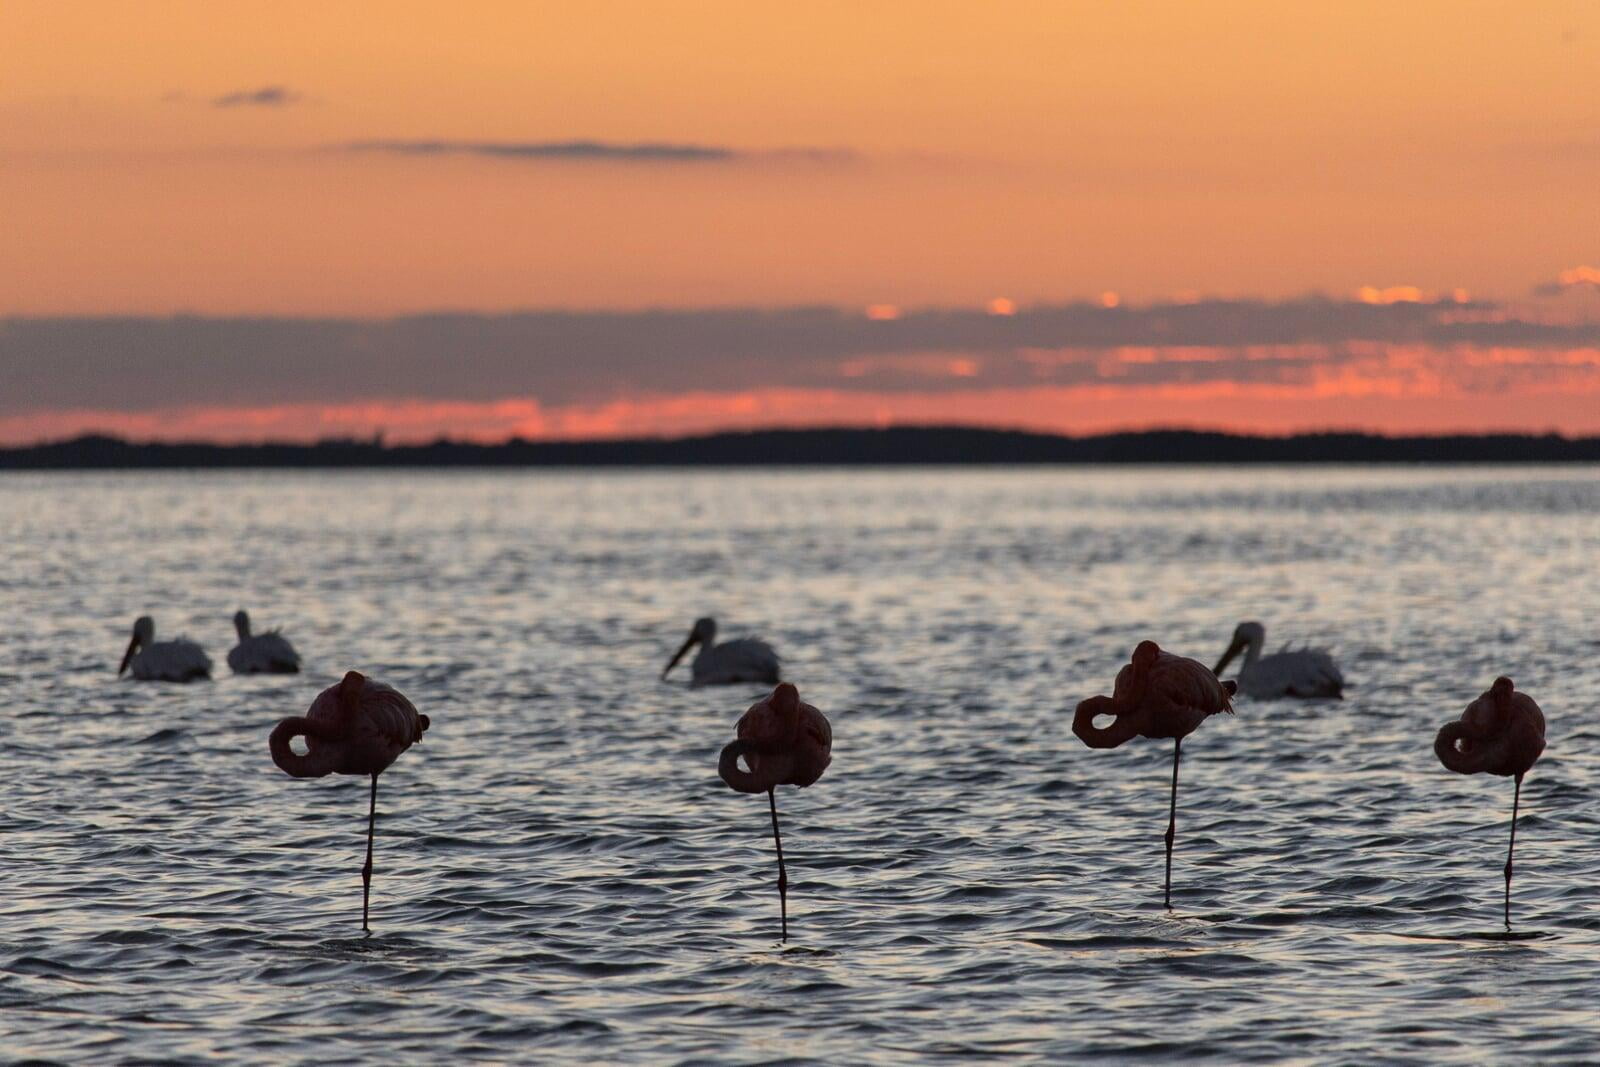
[(1227, 657), (127, 657), (688, 644)]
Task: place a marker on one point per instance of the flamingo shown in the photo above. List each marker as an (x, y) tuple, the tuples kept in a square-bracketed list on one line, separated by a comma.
[(785, 742), (264, 653), (1299, 672), (163, 661), (743, 660), (1502, 732), (359, 726), (1158, 695)]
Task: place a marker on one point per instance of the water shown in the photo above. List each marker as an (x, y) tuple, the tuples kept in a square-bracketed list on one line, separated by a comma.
[(561, 875)]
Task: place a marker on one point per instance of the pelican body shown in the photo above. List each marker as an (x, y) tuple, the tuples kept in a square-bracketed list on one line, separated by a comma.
[(263, 653), (1298, 672), (732, 662), (356, 727), (1501, 733), (785, 742), (163, 661), (1157, 695)]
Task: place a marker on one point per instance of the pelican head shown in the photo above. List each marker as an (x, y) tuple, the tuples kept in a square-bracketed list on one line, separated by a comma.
[(241, 623), (704, 633), (144, 633), (1246, 636)]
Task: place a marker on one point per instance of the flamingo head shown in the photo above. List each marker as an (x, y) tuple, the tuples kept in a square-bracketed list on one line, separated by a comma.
[(704, 632), (1245, 635), (144, 633), (1501, 691)]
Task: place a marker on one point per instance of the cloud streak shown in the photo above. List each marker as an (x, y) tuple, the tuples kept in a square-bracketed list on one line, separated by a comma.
[(595, 151), (266, 96)]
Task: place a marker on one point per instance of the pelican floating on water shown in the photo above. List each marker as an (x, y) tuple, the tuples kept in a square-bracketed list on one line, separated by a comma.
[(743, 660), (263, 653), (1299, 672), (163, 661)]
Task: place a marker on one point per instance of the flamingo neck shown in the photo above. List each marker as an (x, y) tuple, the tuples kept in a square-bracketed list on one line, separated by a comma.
[(322, 755)]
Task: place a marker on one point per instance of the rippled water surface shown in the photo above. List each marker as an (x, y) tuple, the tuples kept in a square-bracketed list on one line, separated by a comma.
[(561, 875)]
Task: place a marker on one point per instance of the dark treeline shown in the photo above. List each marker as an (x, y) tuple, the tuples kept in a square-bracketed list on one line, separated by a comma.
[(842, 447)]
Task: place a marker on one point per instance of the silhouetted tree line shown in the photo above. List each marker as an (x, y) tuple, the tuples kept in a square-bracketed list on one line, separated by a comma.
[(828, 447)]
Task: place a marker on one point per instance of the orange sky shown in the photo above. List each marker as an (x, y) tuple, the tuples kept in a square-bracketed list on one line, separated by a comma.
[(916, 154)]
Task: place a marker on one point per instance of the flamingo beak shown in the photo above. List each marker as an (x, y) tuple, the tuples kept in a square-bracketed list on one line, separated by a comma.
[(1227, 657), (127, 657), (687, 645)]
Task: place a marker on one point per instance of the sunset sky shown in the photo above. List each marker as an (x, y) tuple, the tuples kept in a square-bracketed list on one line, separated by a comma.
[(239, 221)]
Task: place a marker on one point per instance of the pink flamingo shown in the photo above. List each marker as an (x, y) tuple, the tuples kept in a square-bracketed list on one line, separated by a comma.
[(356, 727), (785, 742), (1502, 732), (1158, 695)]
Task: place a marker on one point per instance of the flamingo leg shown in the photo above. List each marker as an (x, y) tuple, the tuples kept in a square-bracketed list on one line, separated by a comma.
[(783, 879), (1172, 819), (1516, 797), (366, 871)]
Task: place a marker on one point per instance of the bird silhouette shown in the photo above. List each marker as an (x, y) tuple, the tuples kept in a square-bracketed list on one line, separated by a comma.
[(263, 653), (163, 661), (743, 660), (1502, 732), (1157, 695), (356, 727), (1289, 672), (785, 742)]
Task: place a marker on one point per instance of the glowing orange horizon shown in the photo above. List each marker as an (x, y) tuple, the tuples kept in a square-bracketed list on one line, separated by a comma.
[(1385, 406)]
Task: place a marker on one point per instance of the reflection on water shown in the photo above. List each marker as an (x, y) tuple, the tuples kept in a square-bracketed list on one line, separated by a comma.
[(560, 873)]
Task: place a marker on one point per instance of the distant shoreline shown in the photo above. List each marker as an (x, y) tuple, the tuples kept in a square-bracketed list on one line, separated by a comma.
[(897, 446)]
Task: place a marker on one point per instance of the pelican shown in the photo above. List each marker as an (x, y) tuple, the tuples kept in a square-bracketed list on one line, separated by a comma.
[(265, 653), (1301, 672), (163, 661), (744, 660)]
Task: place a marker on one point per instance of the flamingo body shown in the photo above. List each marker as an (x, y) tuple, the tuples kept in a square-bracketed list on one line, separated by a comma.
[(785, 742), (356, 727), (359, 726), (745, 659), (1157, 695), (264, 653), (1502, 732), (1290, 672), (149, 660)]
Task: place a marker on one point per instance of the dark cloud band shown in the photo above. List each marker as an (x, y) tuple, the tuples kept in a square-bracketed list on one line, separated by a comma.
[(134, 364)]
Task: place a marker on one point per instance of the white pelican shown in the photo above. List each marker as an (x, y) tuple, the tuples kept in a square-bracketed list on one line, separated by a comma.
[(1300, 672), (163, 661), (266, 653), (744, 660)]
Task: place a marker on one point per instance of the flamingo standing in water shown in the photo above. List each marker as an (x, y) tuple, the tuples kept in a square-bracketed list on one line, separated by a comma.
[(356, 727), (1502, 732), (1158, 695), (784, 742), (263, 653), (742, 660), (163, 661), (1289, 672)]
